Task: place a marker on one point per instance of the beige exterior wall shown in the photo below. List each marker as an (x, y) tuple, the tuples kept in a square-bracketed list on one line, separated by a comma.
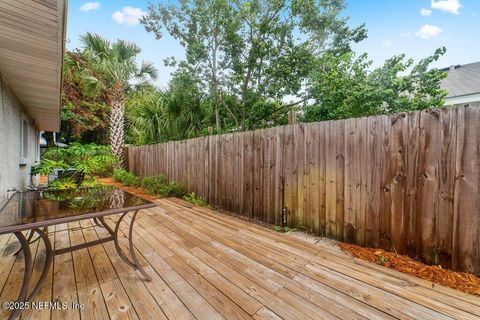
[(15, 169)]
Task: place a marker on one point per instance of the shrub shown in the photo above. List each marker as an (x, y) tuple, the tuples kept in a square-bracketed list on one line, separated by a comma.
[(195, 199), (92, 182), (127, 178), (62, 184), (118, 175), (82, 162), (131, 180), (173, 189), (153, 184), (87, 159)]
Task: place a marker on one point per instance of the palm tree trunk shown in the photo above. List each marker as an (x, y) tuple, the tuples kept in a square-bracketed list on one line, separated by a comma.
[(116, 98)]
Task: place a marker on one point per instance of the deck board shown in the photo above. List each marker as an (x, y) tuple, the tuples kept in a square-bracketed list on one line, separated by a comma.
[(207, 265)]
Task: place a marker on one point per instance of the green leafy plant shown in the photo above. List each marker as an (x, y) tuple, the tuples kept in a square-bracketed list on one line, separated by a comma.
[(382, 260), (82, 161), (172, 189), (127, 178), (48, 166), (85, 159), (153, 184), (195, 199), (283, 229), (91, 182), (119, 175), (63, 184)]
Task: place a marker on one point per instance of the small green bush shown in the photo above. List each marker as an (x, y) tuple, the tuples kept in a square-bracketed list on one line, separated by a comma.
[(86, 159), (89, 183), (62, 184), (283, 229), (127, 178), (195, 199), (131, 180), (118, 175), (153, 184), (173, 189)]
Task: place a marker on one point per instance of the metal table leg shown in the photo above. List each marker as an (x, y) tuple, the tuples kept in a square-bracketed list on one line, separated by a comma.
[(135, 263), (27, 276), (46, 267)]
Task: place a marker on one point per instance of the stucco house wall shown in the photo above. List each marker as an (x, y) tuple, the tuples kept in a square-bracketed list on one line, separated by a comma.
[(15, 169)]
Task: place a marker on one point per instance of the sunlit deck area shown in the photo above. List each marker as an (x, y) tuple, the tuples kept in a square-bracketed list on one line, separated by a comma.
[(207, 265)]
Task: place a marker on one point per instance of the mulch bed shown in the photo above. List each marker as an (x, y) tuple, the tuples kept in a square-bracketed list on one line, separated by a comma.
[(462, 281), (136, 191)]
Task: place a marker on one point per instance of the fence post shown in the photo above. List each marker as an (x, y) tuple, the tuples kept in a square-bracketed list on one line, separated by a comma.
[(292, 117)]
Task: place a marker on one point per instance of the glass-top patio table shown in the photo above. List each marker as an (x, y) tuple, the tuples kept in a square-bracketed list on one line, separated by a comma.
[(34, 211)]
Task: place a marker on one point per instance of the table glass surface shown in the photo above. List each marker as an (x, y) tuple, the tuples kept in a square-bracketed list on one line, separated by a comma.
[(28, 207)]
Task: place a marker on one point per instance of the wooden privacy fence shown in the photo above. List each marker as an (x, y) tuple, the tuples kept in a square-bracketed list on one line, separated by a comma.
[(408, 182)]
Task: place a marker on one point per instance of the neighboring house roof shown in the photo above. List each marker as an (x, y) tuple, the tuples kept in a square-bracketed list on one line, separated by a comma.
[(462, 83), (32, 46)]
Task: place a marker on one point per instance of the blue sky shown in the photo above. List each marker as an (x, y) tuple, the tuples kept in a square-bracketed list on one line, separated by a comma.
[(413, 27)]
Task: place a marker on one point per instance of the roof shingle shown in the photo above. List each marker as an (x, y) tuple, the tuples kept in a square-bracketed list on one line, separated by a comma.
[(462, 80)]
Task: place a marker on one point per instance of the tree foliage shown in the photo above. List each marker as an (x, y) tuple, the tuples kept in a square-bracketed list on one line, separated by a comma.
[(243, 60), (254, 49), (111, 68), (342, 86), (84, 116), (154, 115)]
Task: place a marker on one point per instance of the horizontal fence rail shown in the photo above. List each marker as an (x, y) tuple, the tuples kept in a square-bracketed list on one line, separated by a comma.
[(407, 182)]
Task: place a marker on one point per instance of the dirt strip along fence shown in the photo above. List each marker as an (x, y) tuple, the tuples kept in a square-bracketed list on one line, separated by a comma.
[(407, 182)]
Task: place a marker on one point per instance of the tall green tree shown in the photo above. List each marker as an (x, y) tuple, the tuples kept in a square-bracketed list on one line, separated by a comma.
[(343, 86), (204, 28), (111, 68), (176, 113), (254, 49)]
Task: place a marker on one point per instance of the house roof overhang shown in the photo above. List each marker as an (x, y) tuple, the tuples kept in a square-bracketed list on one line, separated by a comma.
[(32, 46)]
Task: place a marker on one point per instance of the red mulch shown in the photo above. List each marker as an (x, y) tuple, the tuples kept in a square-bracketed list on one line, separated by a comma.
[(462, 281), (136, 191)]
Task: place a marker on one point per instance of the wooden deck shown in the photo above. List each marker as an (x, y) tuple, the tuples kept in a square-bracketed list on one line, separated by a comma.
[(207, 265)]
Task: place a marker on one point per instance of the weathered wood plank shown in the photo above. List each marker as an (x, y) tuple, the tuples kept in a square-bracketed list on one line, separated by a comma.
[(466, 220), (398, 154), (383, 181)]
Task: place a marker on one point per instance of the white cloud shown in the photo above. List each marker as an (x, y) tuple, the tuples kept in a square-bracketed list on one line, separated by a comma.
[(428, 31), (386, 43), (90, 6), (129, 16), (425, 12), (451, 6)]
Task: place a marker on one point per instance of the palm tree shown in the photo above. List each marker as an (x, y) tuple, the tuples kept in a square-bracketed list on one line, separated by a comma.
[(146, 118), (112, 66), (160, 116)]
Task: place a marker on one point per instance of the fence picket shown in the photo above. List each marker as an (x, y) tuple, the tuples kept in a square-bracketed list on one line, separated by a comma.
[(408, 182)]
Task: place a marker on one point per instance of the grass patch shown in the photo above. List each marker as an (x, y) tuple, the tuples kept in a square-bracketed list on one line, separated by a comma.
[(195, 199), (283, 229)]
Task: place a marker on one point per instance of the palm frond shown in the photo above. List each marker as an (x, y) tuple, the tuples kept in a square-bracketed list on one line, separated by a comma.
[(92, 85), (96, 43), (125, 50), (147, 69)]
